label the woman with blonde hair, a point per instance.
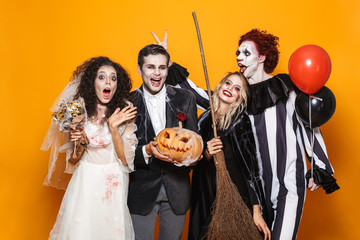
(235, 139)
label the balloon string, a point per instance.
(312, 139)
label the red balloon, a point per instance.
(309, 68)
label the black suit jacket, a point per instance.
(146, 180)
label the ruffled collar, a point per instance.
(266, 94)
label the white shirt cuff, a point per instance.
(146, 156)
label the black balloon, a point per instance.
(323, 106)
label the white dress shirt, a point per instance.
(156, 108)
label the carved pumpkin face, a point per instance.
(180, 144)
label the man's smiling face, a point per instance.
(154, 72)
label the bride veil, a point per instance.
(59, 170)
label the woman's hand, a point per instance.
(114, 121)
(78, 135)
(121, 116)
(214, 146)
(260, 222)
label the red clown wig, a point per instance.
(266, 44)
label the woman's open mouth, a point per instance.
(106, 93)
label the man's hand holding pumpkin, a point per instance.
(151, 149)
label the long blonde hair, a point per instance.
(237, 107)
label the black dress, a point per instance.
(240, 158)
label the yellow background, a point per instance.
(42, 42)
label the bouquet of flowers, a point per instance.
(70, 116)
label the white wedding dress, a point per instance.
(94, 206)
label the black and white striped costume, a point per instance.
(280, 141)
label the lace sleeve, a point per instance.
(127, 132)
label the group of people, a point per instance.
(121, 183)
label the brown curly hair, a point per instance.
(266, 44)
(88, 71)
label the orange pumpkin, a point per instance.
(180, 144)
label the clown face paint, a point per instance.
(154, 72)
(105, 84)
(248, 59)
(230, 90)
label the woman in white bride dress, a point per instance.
(94, 206)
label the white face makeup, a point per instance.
(154, 72)
(230, 90)
(105, 84)
(248, 59)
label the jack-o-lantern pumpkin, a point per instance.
(181, 144)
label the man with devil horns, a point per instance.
(281, 138)
(158, 187)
